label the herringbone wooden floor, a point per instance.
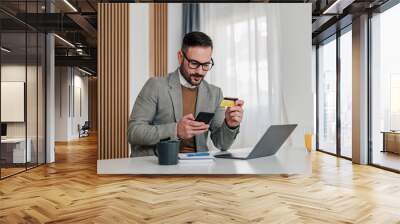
(70, 191)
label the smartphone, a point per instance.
(204, 117)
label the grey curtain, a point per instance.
(191, 17)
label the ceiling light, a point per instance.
(65, 41)
(79, 51)
(5, 50)
(335, 7)
(84, 71)
(70, 5)
(331, 7)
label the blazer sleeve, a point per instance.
(221, 135)
(141, 131)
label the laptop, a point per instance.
(268, 145)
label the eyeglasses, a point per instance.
(193, 64)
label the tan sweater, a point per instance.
(189, 97)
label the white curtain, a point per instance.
(247, 62)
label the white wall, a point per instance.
(12, 101)
(14, 73)
(67, 82)
(80, 83)
(296, 67)
(62, 81)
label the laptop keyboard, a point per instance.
(236, 154)
(224, 155)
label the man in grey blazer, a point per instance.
(166, 106)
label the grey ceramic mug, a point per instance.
(167, 152)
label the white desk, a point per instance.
(19, 155)
(286, 161)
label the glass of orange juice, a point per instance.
(308, 139)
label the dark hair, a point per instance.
(196, 39)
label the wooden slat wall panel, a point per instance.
(113, 80)
(158, 39)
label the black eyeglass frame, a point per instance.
(193, 64)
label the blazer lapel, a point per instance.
(202, 105)
(175, 93)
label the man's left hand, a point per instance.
(234, 115)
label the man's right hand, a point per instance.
(187, 127)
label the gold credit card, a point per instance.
(228, 102)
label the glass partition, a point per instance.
(22, 78)
(31, 100)
(13, 105)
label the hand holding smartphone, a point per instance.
(204, 117)
(187, 127)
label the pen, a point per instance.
(198, 154)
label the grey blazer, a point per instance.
(158, 109)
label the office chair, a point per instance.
(84, 130)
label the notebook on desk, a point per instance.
(200, 158)
(195, 156)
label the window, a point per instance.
(257, 59)
(333, 137)
(385, 89)
(327, 97)
(241, 56)
(346, 94)
(394, 102)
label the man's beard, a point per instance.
(188, 77)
